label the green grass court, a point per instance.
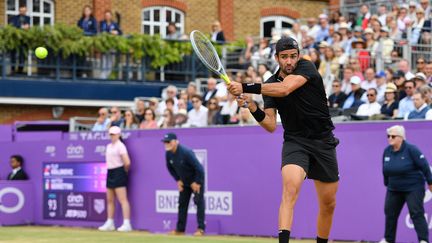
(34, 234)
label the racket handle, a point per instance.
(225, 78)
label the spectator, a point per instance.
(191, 91)
(421, 64)
(181, 104)
(363, 19)
(371, 107)
(88, 22)
(153, 105)
(381, 84)
(261, 54)
(420, 79)
(359, 50)
(171, 92)
(172, 32)
(102, 122)
(140, 107)
(382, 11)
(389, 75)
(181, 118)
(412, 7)
(263, 71)
(348, 73)
(428, 72)
(404, 66)
(20, 21)
(385, 45)
(424, 4)
(169, 104)
(315, 58)
(342, 58)
(406, 105)
(329, 68)
(198, 116)
(229, 110)
(369, 81)
(370, 41)
(217, 34)
(112, 28)
(355, 64)
(211, 90)
(245, 117)
(417, 27)
(130, 121)
(116, 116)
(149, 121)
(168, 119)
(427, 92)
(376, 28)
(354, 97)
(323, 30)
(390, 107)
(313, 28)
(422, 110)
(399, 80)
(17, 173)
(337, 40)
(405, 171)
(337, 98)
(118, 164)
(214, 116)
(402, 19)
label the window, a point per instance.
(41, 12)
(155, 20)
(274, 24)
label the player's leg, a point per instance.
(394, 202)
(326, 192)
(292, 178)
(416, 210)
(184, 199)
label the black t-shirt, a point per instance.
(389, 109)
(304, 112)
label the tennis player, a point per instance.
(296, 91)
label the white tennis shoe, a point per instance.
(107, 226)
(125, 228)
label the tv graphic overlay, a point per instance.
(74, 191)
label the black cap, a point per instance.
(286, 43)
(169, 136)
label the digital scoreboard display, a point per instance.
(74, 191)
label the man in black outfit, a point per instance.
(297, 92)
(16, 162)
(20, 21)
(337, 98)
(185, 168)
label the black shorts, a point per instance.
(316, 156)
(117, 178)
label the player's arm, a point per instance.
(278, 89)
(266, 118)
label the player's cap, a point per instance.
(169, 137)
(286, 43)
(355, 80)
(390, 88)
(420, 76)
(380, 74)
(114, 130)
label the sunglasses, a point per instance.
(370, 95)
(392, 136)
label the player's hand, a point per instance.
(244, 100)
(180, 185)
(195, 187)
(235, 88)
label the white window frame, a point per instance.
(278, 19)
(29, 3)
(162, 24)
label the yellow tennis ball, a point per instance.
(41, 52)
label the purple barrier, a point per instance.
(243, 183)
(5, 133)
(38, 136)
(16, 206)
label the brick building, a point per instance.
(152, 16)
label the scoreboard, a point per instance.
(74, 191)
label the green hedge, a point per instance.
(70, 40)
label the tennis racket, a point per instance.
(206, 52)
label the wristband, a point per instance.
(259, 115)
(252, 88)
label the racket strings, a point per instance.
(206, 52)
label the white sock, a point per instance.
(110, 221)
(126, 221)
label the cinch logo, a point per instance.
(75, 200)
(20, 203)
(75, 152)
